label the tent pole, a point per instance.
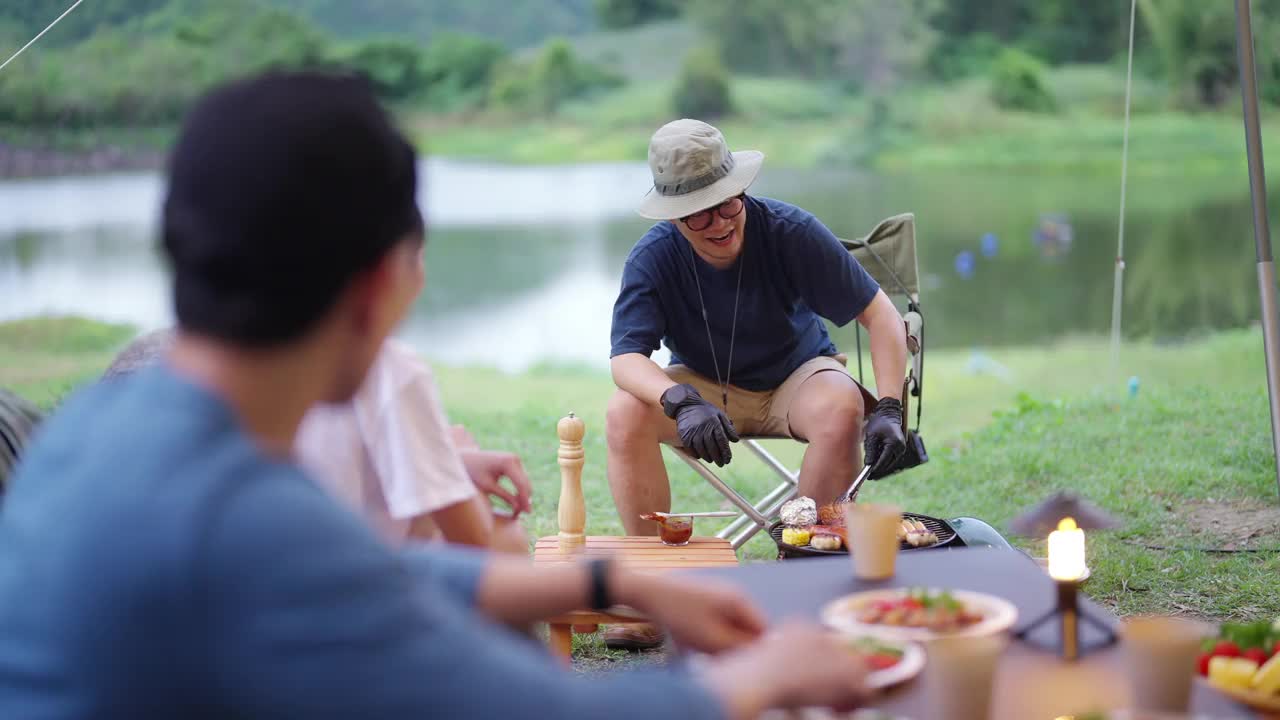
(1261, 228)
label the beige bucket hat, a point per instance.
(694, 170)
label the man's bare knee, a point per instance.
(629, 420)
(836, 418)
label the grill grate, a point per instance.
(946, 536)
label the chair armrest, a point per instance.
(915, 326)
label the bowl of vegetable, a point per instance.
(1243, 660)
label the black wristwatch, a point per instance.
(676, 397)
(601, 597)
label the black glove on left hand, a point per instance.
(883, 442)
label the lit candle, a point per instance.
(1066, 551)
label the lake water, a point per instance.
(523, 262)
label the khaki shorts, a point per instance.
(764, 413)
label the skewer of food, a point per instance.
(832, 515)
(822, 537)
(914, 533)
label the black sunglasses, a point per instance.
(728, 210)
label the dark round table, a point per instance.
(1032, 682)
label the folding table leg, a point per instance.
(561, 640)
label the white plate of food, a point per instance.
(919, 614)
(891, 662)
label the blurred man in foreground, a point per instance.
(161, 555)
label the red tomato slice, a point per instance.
(1257, 655)
(881, 662)
(1226, 648)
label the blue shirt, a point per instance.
(794, 272)
(154, 563)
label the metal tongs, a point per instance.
(717, 513)
(852, 492)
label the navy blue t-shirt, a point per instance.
(794, 272)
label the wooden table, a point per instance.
(641, 553)
(1031, 682)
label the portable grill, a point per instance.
(947, 537)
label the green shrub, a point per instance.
(394, 67)
(118, 77)
(460, 61)
(630, 13)
(554, 77)
(963, 57)
(703, 88)
(452, 72)
(1017, 83)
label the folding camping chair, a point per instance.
(888, 253)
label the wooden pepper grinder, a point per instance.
(572, 510)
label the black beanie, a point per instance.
(282, 188)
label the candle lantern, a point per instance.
(1064, 519)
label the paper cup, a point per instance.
(959, 678)
(873, 539)
(1160, 660)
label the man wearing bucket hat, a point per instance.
(736, 287)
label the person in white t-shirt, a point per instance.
(391, 455)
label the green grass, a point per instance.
(44, 358)
(1196, 431)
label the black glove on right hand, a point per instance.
(704, 430)
(883, 440)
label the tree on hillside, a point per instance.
(878, 44)
(1197, 46)
(1064, 31)
(769, 35)
(514, 23)
(29, 17)
(869, 43)
(149, 73)
(555, 76)
(703, 90)
(1057, 30)
(630, 13)
(393, 66)
(1017, 82)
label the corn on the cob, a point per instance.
(795, 536)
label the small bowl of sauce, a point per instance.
(672, 529)
(676, 531)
